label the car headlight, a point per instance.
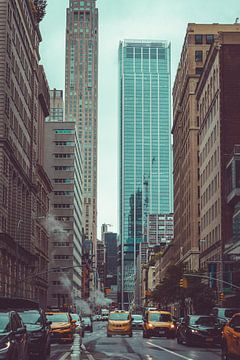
(150, 326)
(194, 331)
(5, 345)
(172, 326)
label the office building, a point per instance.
(56, 105)
(145, 147)
(24, 103)
(81, 98)
(160, 229)
(63, 163)
(198, 40)
(110, 244)
(218, 94)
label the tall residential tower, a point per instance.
(81, 98)
(145, 147)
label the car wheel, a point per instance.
(130, 335)
(109, 335)
(91, 330)
(179, 341)
(49, 350)
(188, 342)
(146, 335)
(225, 355)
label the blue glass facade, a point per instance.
(145, 146)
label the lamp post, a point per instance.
(17, 255)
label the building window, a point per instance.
(198, 70)
(198, 39)
(198, 56)
(209, 39)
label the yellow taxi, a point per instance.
(62, 327)
(159, 323)
(119, 323)
(231, 339)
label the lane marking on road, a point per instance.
(90, 357)
(169, 351)
(65, 356)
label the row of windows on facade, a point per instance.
(63, 206)
(145, 53)
(211, 238)
(210, 191)
(63, 181)
(208, 169)
(16, 40)
(209, 92)
(210, 215)
(209, 142)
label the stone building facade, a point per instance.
(21, 106)
(198, 39)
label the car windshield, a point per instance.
(119, 316)
(58, 317)
(75, 317)
(160, 317)
(203, 320)
(137, 317)
(87, 320)
(30, 317)
(230, 312)
(4, 323)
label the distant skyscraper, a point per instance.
(81, 97)
(145, 146)
(56, 105)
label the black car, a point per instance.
(38, 328)
(13, 337)
(137, 322)
(88, 323)
(199, 329)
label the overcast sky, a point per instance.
(118, 20)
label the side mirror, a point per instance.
(20, 331)
(48, 323)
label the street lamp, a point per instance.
(17, 255)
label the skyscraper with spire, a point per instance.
(81, 98)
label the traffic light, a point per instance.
(183, 283)
(221, 296)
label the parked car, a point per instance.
(13, 337)
(137, 322)
(199, 329)
(39, 334)
(159, 323)
(223, 315)
(231, 339)
(87, 323)
(62, 327)
(119, 323)
(79, 325)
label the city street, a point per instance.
(98, 347)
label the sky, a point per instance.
(119, 20)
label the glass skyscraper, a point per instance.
(145, 147)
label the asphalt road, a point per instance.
(98, 347)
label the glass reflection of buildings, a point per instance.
(145, 148)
